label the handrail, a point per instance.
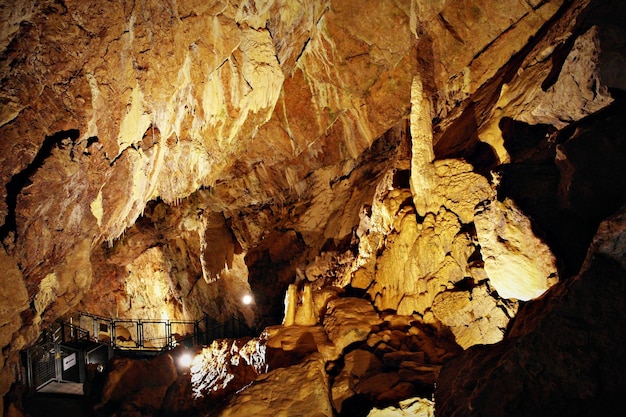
(201, 331)
(45, 360)
(76, 333)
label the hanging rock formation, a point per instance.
(393, 181)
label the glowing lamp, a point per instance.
(247, 299)
(184, 360)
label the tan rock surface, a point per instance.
(349, 320)
(291, 344)
(475, 317)
(518, 264)
(415, 407)
(297, 390)
(166, 159)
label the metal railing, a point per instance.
(54, 358)
(65, 348)
(159, 335)
(65, 332)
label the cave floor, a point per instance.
(56, 405)
(69, 388)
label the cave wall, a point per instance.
(431, 157)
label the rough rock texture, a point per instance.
(474, 315)
(128, 388)
(215, 373)
(349, 320)
(163, 159)
(518, 264)
(562, 355)
(297, 390)
(416, 407)
(290, 369)
(401, 358)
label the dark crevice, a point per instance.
(402, 179)
(566, 199)
(450, 29)
(22, 179)
(303, 49)
(558, 59)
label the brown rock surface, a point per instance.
(434, 161)
(297, 390)
(358, 364)
(349, 320)
(540, 368)
(128, 387)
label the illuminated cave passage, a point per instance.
(329, 208)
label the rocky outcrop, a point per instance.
(562, 354)
(301, 390)
(128, 389)
(519, 265)
(416, 407)
(346, 367)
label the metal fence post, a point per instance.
(139, 333)
(113, 333)
(29, 370)
(58, 362)
(168, 334)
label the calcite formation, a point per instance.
(357, 360)
(577, 313)
(381, 177)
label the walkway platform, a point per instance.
(68, 388)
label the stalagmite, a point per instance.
(306, 314)
(291, 304)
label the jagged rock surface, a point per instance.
(535, 362)
(221, 148)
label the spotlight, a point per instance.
(184, 360)
(247, 299)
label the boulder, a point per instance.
(348, 320)
(297, 390)
(358, 365)
(410, 407)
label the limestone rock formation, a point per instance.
(349, 320)
(297, 390)
(128, 387)
(303, 369)
(474, 315)
(532, 370)
(518, 264)
(391, 180)
(417, 407)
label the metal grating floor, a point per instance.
(54, 387)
